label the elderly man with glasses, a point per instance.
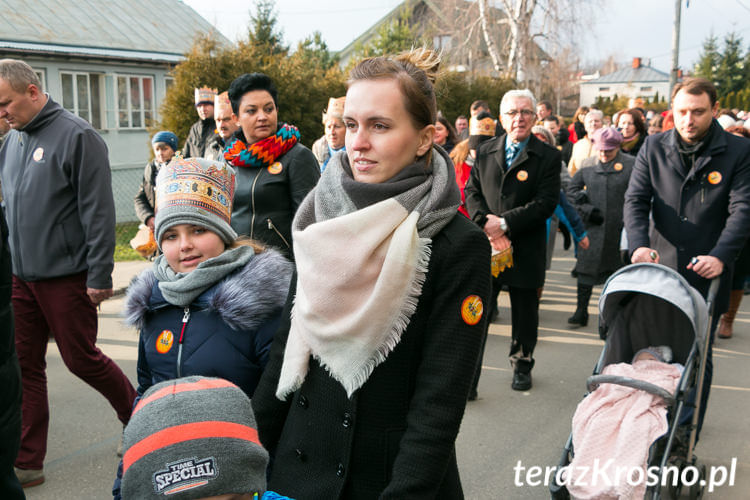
(512, 191)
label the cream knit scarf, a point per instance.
(362, 253)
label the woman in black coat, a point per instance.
(599, 195)
(274, 170)
(368, 376)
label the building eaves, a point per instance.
(88, 52)
(168, 26)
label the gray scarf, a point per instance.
(181, 289)
(430, 190)
(362, 253)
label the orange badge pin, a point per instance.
(38, 154)
(164, 342)
(522, 175)
(275, 168)
(714, 177)
(618, 166)
(472, 309)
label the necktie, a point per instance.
(511, 151)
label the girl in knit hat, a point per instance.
(211, 303)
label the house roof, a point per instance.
(641, 74)
(411, 6)
(160, 30)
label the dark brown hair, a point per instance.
(452, 136)
(480, 104)
(638, 120)
(696, 86)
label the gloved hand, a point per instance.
(596, 217)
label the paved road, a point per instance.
(500, 429)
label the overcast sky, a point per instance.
(625, 29)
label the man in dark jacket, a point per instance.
(10, 380)
(203, 130)
(226, 126)
(695, 181)
(552, 123)
(512, 191)
(61, 217)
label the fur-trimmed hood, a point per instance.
(243, 299)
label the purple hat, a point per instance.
(607, 139)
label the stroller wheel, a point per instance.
(673, 492)
(696, 490)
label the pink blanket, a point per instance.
(618, 423)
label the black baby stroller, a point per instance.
(645, 305)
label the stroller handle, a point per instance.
(595, 380)
(713, 289)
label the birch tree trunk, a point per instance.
(491, 47)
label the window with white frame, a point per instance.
(442, 42)
(82, 95)
(135, 101)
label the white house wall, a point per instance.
(129, 149)
(591, 91)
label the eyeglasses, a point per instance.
(525, 113)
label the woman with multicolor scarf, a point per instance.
(371, 367)
(274, 171)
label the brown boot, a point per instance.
(727, 319)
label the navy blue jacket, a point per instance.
(227, 330)
(706, 212)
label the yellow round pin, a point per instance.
(275, 168)
(714, 177)
(618, 166)
(522, 175)
(472, 309)
(164, 342)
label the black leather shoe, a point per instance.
(521, 381)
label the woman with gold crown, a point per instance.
(332, 141)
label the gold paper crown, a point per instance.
(221, 101)
(205, 94)
(335, 107)
(485, 126)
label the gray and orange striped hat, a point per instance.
(192, 437)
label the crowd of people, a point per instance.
(348, 288)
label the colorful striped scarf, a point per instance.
(263, 152)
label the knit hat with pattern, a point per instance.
(195, 191)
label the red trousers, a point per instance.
(61, 308)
